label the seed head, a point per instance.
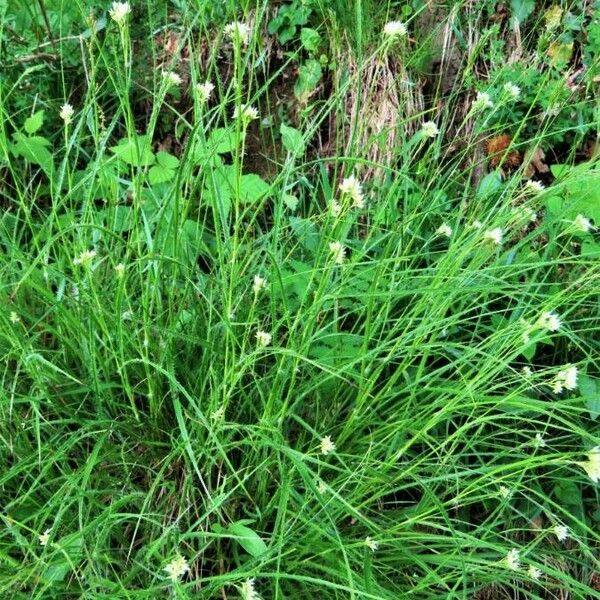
(119, 12)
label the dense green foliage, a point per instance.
(328, 329)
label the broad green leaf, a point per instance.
(118, 218)
(569, 495)
(310, 39)
(521, 9)
(559, 170)
(553, 205)
(306, 232)
(166, 160)
(308, 78)
(590, 248)
(336, 349)
(165, 168)
(34, 122)
(291, 201)
(295, 279)
(219, 189)
(248, 539)
(34, 149)
(135, 152)
(292, 140)
(577, 193)
(221, 141)
(560, 53)
(590, 392)
(253, 188)
(64, 561)
(489, 184)
(286, 34)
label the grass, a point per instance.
(143, 419)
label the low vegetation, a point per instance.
(300, 299)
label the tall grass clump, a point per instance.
(299, 300)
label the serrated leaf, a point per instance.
(118, 218)
(306, 232)
(336, 349)
(34, 150)
(166, 160)
(219, 186)
(158, 174)
(292, 140)
(34, 122)
(165, 168)
(253, 188)
(135, 152)
(221, 141)
(310, 39)
(248, 539)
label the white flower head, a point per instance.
(371, 544)
(246, 112)
(66, 113)
(327, 445)
(351, 187)
(248, 590)
(336, 208)
(119, 12)
(592, 465)
(494, 236)
(260, 283)
(566, 379)
(444, 229)
(527, 372)
(534, 187)
(120, 270)
(534, 572)
(483, 100)
(539, 441)
(85, 258)
(238, 32)
(338, 252)
(204, 91)
(476, 224)
(177, 568)
(172, 79)
(550, 321)
(529, 214)
(394, 29)
(218, 415)
(523, 214)
(429, 129)
(513, 560)
(561, 532)
(514, 91)
(263, 338)
(14, 317)
(44, 538)
(505, 492)
(527, 329)
(583, 224)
